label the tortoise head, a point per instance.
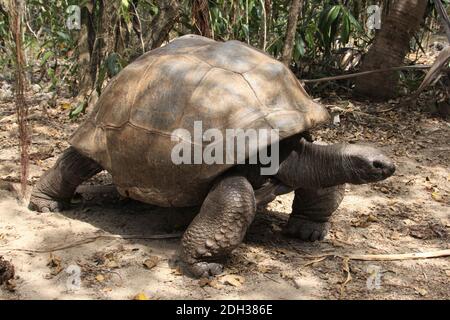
(365, 164)
(313, 165)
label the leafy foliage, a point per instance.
(324, 28)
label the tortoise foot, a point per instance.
(203, 269)
(306, 230)
(45, 204)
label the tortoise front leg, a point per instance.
(220, 226)
(56, 187)
(311, 212)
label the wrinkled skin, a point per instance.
(317, 173)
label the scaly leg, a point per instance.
(220, 226)
(56, 187)
(311, 211)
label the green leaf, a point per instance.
(326, 25)
(353, 21)
(299, 49)
(75, 112)
(125, 4)
(47, 55)
(333, 14)
(63, 35)
(345, 34)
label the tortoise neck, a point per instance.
(314, 166)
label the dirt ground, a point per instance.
(407, 213)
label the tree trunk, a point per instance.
(162, 23)
(294, 13)
(16, 14)
(390, 47)
(200, 17)
(263, 26)
(86, 40)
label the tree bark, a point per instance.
(16, 14)
(390, 47)
(200, 17)
(162, 23)
(294, 13)
(86, 40)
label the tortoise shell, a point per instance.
(225, 85)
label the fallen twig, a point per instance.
(388, 257)
(95, 238)
(270, 278)
(348, 277)
(315, 261)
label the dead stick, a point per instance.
(389, 257)
(402, 256)
(359, 74)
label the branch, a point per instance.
(438, 65)
(443, 17)
(388, 257)
(359, 74)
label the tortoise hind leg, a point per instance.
(311, 211)
(56, 187)
(220, 226)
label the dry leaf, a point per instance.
(11, 285)
(141, 296)
(394, 236)
(151, 262)
(421, 291)
(66, 105)
(100, 278)
(289, 275)
(111, 264)
(232, 280)
(384, 190)
(215, 284)
(203, 282)
(264, 268)
(436, 196)
(54, 263)
(177, 271)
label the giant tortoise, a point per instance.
(225, 85)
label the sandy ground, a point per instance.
(404, 214)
